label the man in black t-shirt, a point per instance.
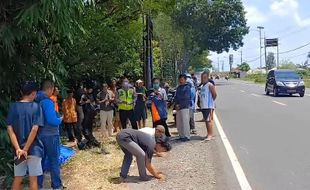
(142, 146)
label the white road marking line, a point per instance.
(243, 182)
(282, 104)
(242, 91)
(256, 95)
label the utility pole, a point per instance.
(148, 53)
(265, 50)
(241, 57)
(260, 28)
(218, 64)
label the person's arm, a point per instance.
(13, 139)
(213, 91)
(50, 113)
(31, 137)
(151, 168)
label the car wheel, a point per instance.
(275, 92)
(267, 91)
(302, 94)
(291, 94)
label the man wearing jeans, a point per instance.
(49, 134)
(141, 145)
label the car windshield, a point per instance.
(287, 75)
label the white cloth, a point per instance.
(149, 131)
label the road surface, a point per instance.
(269, 135)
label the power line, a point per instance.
(300, 47)
(298, 55)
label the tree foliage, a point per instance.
(244, 67)
(72, 40)
(270, 61)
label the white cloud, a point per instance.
(254, 16)
(284, 7)
(289, 8)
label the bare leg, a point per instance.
(17, 183)
(209, 130)
(33, 182)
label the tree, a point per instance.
(286, 64)
(270, 61)
(211, 25)
(244, 67)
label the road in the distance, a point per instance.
(270, 135)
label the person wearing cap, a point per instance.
(182, 105)
(140, 107)
(23, 122)
(162, 142)
(126, 101)
(142, 146)
(190, 81)
(69, 108)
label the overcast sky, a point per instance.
(288, 20)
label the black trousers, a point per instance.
(124, 115)
(162, 122)
(87, 125)
(76, 131)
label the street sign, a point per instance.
(271, 42)
(231, 59)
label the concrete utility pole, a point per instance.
(260, 28)
(218, 64)
(148, 51)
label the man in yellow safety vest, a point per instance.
(126, 101)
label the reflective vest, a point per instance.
(126, 96)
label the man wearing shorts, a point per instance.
(24, 119)
(207, 105)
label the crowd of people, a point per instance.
(34, 120)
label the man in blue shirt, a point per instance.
(24, 119)
(182, 104)
(49, 134)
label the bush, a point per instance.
(257, 78)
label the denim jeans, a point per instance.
(52, 153)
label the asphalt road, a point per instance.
(270, 135)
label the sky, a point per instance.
(288, 20)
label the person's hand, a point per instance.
(20, 152)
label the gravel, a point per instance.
(189, 166)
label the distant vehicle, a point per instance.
(217, 77)
(227, 77)
(284, 82)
